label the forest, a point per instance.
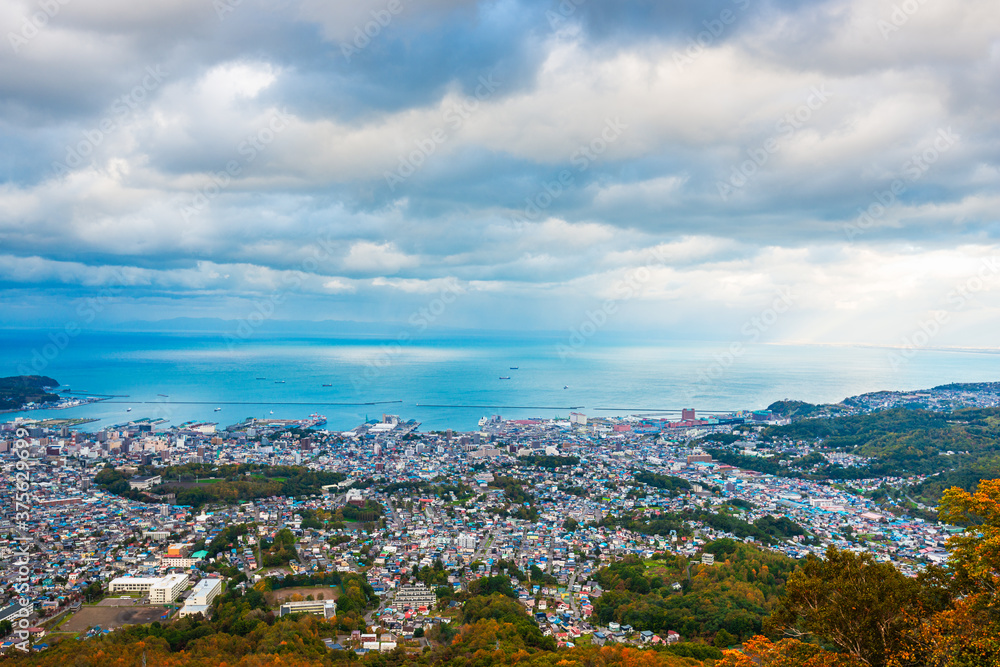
(17, 390)
(720, 604)
(231, 483)
(959, 448)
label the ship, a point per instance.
(513, 368)
(504, 377)
(217, 409)
(128, 409)
(279, 382)
(328, 385)
(261, 378)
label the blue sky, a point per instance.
(676, 166)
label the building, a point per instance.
(415, 596)
(205, 591)
(325, 608)
(168, 588)
(144, 483)
(200, 599)
(14, 612)
(355, 498)
(161, 590)
(687, 414)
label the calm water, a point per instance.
(455, 372)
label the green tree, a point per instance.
(863, 607)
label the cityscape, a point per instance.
(500, 333)
(543, 505)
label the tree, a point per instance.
(762, 652)
(966, 631)
(863, 607)
(723, 639)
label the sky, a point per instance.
(818, 172)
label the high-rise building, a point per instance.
(687, 414)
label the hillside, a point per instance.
(959, 448)
(19, 390)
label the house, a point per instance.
(673, 637)
(646, 636)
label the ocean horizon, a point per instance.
(452, 381)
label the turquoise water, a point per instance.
(414, 379)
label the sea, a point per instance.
(451, 381)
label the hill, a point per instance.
(19, 390)
(959, 448)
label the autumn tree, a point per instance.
(967, 632)
(863, 607)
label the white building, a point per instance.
(205, 591)
(325, 608)
(200, 599)
(161, 590)
(415, 596)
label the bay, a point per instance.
(450, 381)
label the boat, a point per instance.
(272, 412)
(504, 377)
(328, 385)
(217, 409)
(261, 378)
(279, 382)
(163, 395)
(513, 368)
(128, 409)
(565, 386)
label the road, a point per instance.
(395, 516)
(572, 595)
(484, 544)
(552, 553)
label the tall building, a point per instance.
(415, 596)
(687, 414)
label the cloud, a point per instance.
(538, 153)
